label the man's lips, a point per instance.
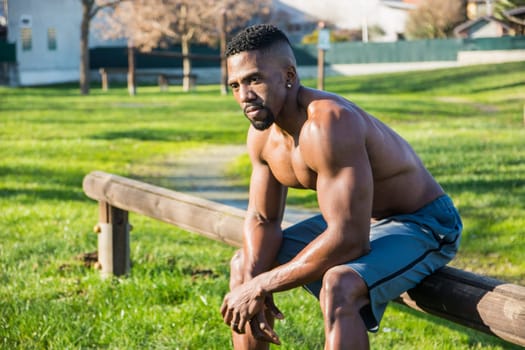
(252, 109)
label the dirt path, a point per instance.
(201, 172)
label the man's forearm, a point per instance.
(261, 244)
(285, 277)
(326, 251)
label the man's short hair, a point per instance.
(256, 37)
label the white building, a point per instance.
(390, 16)
(47, 37)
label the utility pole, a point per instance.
(323, 44)
(132, 85)
(224, 72)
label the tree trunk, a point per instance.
(132, 86)
(186, 65)
(224, 71)
(84, 47)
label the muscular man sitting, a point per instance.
(384, 223)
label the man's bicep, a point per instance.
(345, 200)
(345, 183)
(336, 150)
(345, 194)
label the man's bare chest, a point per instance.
(288, 165)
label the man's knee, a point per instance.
(342, 289)
(236, 269)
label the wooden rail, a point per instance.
(489, 305)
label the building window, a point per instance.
(27, 39)
(51, 39)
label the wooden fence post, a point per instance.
(113, 240)
(163, 82)
(104, 79)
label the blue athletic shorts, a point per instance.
(404, 250)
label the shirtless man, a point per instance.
(385, 223)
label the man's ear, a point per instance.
(291, 75)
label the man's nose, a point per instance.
(246, 94)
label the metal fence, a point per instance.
(339, 53)
(405, 51)
(7, 52)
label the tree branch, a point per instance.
(100, 5)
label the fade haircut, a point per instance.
(256, 37)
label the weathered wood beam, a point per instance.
(486, 304)
(213, 220)
(489, 305)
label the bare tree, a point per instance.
(508, 11)
(503, 5)
(130, 20)
(205, 22)
(433, 19)
(89, 9)
(192, 22)
(148, 24)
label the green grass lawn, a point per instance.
(467, 125)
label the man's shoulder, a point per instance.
(334, 113)
(324, 105)
(336, 123)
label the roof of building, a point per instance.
(466, 25)
(404, 5)
(518, 11)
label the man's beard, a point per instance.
(265, 123)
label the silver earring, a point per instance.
(288, 85)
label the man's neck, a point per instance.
(293, 115)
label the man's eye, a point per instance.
(254, 79)
(234, 85)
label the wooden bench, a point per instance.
(486, 304)
(163, 78)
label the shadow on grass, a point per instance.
(27, 196)
(482, 186)
(54, 90)
(462, 78)
(475, 336)
(51, 184)
(499, 87)
(116, 89)
(170, 135)
(429, 110)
